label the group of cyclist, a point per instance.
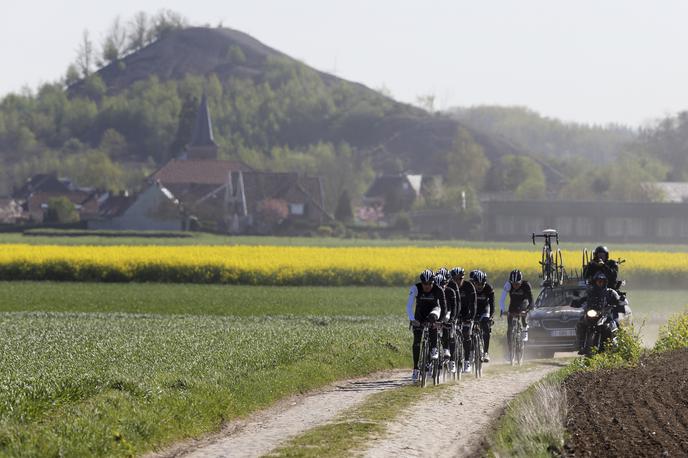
(445, 296)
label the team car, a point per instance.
(552, 320)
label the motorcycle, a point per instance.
(597, 327)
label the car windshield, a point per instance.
(557, 297)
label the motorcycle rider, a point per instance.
(598, 297)
(484, 295)
(429, 307)
(601, 262)
(520, 300)
(466, 313)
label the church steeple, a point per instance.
(202, 144)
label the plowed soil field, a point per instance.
(630, 412)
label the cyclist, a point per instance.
(429, 304)
(448, 317)
(484, 297)
(466, 312)
(601, 262)
(520, 299)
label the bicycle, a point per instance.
(424, 359)
(454, 339)
(477, 349)
(552, 263)
(517, 347)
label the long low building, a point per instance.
(587, 221)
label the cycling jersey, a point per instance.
(467, 301)
(516, 297)
(484, 302)
(457, 296)
(452, 302)
(425, 302)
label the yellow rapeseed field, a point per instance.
(280, 265)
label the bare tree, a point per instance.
(114, 43)
(85, 55)
(138, 31)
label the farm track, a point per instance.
(477, 404)
(457, 422)
(636, 412)
(260, 433)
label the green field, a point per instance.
(209, 239)
(118, 369)
(115, 369)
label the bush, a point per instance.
(626, 353)
(674, 334)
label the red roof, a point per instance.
(198, 171)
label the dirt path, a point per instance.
(465, 412)
(262, 432)
(477, 404)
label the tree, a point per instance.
(60, 210)
(466, 164)
(85, 55)
(115, 42)
(344, 212)
(138, 31)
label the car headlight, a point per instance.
(592, 313)
(535, 323)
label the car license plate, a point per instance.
(563, 333)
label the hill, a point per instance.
(268, 109)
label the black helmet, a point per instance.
(426, 276)
(599, 250)
(600, 276)
(443, 271)
(440, 279)
(478, 276)
(515, 276)
(457, 271)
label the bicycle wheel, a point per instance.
(436, 369)
(519, 344)
(560, 267)
(477, 355)
(423, 359)
(512, 344)
(458, 356)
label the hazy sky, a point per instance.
(587, 60)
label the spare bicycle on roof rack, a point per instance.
(552, 262)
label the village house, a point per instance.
(200, 191)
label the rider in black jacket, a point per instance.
(430, 305)
(520, 300)
(600, 262)
(484, 295)
(598, 297)
(467, 308)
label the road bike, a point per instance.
(426, 365)
(454, 334)
(517, 346)
(552, 262)
(477, 349)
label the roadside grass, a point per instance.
(674, 334)
(212, 239)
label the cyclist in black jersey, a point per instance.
(448, 343)
(430, 305)
(520, 300)
(484, 298)
(466, 312)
